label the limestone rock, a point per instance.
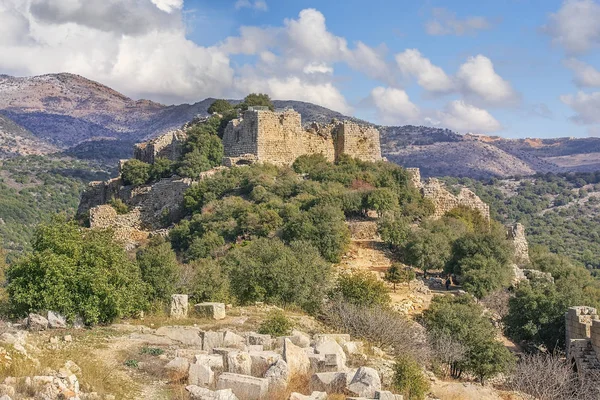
(5, 397)
(214, 361)
(334, 354)
(300, 339)
(56, 320)
(200, 375)
(244, 387)
(231, 339)
(200, 393)
(239, 362)
(329, 382)
(224, 352)
(257, 339)
(211, 340)
(312, 396)
(35, 322)
(385, 395)
(340, 338)
(278, 375)
(365, 382)
(187, 335)
(179, 306)
(295, 357)
(7, 390)
(178, 366)
(211, 310)
(262, 360)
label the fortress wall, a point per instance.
(578, 331)
(359, 141)
(240, 136)
(516, 233)
(415, 177)
(169, 145)
(279, 137)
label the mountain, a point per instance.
(88, 120)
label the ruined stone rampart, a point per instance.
(278, 138)
(445, 201)
(516, 234)
(168, 145)
(582, 329)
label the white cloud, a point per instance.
(445, 22)
(168, 6)
(585, 74)
(259, 5)
(585, 105)
(575, 26)
(479, 81)
(318, 68)
(463, 117)
(393, 106)
(430, 77)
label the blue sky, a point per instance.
(513, 68)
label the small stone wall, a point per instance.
(516, 233)
(445, 201)
(168, 145)
(127, 227)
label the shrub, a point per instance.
(380, 326)
(362, 289)
(409, 379)
(153, 351)
(119, 206)
(268, 270)
(162, 168)
(76, 273)
(256, 99)
(205, 246)
(276, 324)
(219, 106)
(135, 172)
(399, 274)
(426, 250)
(132, 363)
(210, 282)
(159, 267)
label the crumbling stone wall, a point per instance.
(168, 145)
(445, 201)
(415, 177)
(278, 138)
(363, 230)
(582, 329)
(127, 228)
(516, 234)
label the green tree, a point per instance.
(205, 246)
(76, 273)
(135, 172)
(394, 229)
(462, 320)
(381, 200)
(276, 324)
(409, 379)
(162, 168)
(219, 106)
(361, 289)
(210, 282)
(257, 99)
(426, 250)
(159, 268)
(268, 270)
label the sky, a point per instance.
(513, 68)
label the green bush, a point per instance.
(361, 289)
(270, 271)
(256, 99)
(135, 172)
(159, 269)
(76, 273)
(162, 168)
(409, 379)
(276, 324)
(219, 106)
(397, 273)
(119, 206)
(210, 282)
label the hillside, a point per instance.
(16, 140)
(91, 121)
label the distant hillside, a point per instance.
(88, 120)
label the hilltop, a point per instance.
(89, 120)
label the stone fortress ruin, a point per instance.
(582, 330)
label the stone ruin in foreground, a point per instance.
(582, 329)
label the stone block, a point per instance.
(262, 361)
(329, 382)
(239, 362)
(340, 338)
(211, 310)
(312, 396)
(258, 339)
(214, 361)
(333, 352)
(200, 375)
(200, 393)
(178, 366)
(244, 387)
(179, 306)
(231, 339)
(211, 339)
(223, 352)
(35, 322)
(187, 335)
(386, 395)
(296, 358)
(365, 382)
(278, 375)
(56, 320)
